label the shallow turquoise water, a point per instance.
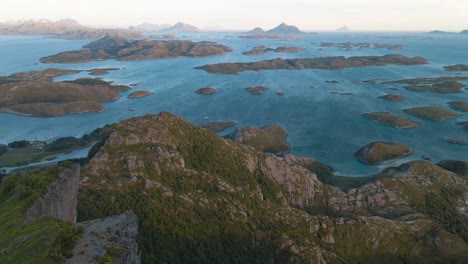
(321, 125)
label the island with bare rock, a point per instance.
(326, 63)
(35, 94)
(135, 50)
(139, 94)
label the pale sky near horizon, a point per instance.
(398, 15)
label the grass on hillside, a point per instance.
(40, 240)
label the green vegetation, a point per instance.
(441, 207)
(89, 81)
(3, 149)
(39, 240)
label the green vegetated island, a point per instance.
(36, 94)
(134, 50)
(327, 63)
(199, 198)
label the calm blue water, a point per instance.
(321, 125)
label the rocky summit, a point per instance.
(200, 198)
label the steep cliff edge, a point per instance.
(203, 198)
(60, 199)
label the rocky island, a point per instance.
(378, 152)
(129, 50)
(206, 91)
(428, 80)
(256, 90)
(464, 124)
(263, 50)
(457, 67)
(326, 63)
(35, 94)
(435, 114)
(351, 45)
(443, 87)
(386, 118)
(139, 94)
(392, 97)
(459, 105)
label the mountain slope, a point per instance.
(201, 198)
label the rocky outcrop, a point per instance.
(60, 199)
(326, 63)
(109, 240)
(133, 50)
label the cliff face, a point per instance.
(60, 199)
(112, 238)
(202, 197)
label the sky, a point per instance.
(308, 15)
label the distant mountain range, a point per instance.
(343, 28)
(447, 32)
(165, 28)
(281, 29)
(64, 28)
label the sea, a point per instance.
(321, 124)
